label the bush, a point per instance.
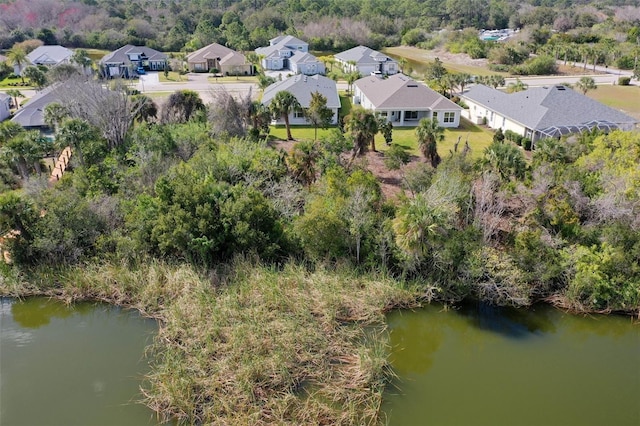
(624, 81)
(510, 135)
(526, 143)
(625, 62)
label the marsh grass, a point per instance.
(248, 343)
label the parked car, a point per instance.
(140, 70)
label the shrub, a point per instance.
(526, 143)
(624, 81)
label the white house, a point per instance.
(302, 86)
(366, 61)
(541, 112)
(289, 53)
(5, 104)
(404, 101)
(50, 55)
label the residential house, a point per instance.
(289, 53)
(218, 57)
(302, 86)
(50, 56)
(541, 112)
(5, 106)
(126, 61)
(366, 61)
(31, 115)
(404, 101)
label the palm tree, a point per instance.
(463, 80)
(282, 104)
(363, 126)
(496, 81)
(81, 57)
(17, 57)
(351, 78)
(15, 94)
(585, 84)
(517, 86)
(429, 134)
(302, 162)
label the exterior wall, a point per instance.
(273, 64)
(197, 66)
(4, 109)
(236, 69)
(389, 67)
(301, 121)
(494, 120)
(299, 47)
(440, 115)
(308, 68)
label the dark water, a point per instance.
(77, 365)
(486, 366)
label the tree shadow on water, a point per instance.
(510, 322)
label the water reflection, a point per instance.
(509, 322)
(482, 365)
(36, 312)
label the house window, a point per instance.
(434, 115)
(382, 113)
(298, 113)
(411, 115)
(449, 117)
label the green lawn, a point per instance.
(173, 76)
(624, 98)
(478, 137)
(234, 79)
(13, 83)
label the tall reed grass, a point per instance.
(248, 343)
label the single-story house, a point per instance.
(404, 101)
(31, 115)
(366, 61)
(289, 53)
(125, 61)
(50, 56)
(5, 106)
(218, 57)
(302, 86)
(541, 112)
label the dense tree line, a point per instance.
(172, 25)
(563, 226)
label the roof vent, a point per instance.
(561, 88)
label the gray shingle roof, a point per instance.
(120, 55)
(402, 92)
(277, 44)
(214, 50)
(363, 55)
(302, 86)
(302, 58)
(4, 96)
(542, 107)
(32, 113)
(49, 55)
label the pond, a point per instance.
(72, 365)
(480, 365)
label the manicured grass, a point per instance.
(299, 133)
(173, 77)
(13, 83)
(234, 79)
(479, 138)
(624, 98)
(345, 104)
